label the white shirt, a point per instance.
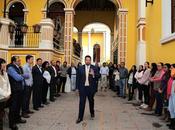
(47, 76)
(87, 68)
(55, 70)
(5, 89)
(39, 67)
(104, 70)
(73, 71)
(130, 80)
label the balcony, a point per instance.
(28, 39)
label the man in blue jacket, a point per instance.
(86, 84)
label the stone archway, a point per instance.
(25, 10)
(74, 3)
(120, 38)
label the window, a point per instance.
(172, 16)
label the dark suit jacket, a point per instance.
(69, 71)
(81, 78)
(37, 76)
(52, 74)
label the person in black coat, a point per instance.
(72, 71)
(38, 79)
(17, 83)
(86, 84)
(131, 82)
(53, 73)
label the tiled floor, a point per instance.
(112, 113)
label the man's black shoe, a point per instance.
(41, 106)
(25, 115)
(46, 103)
(21, 121)
(36, 109)
(52, 100)
(78, 121)
(14, 127)
(30, 112)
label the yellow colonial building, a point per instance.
(133, 31)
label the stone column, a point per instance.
(47, 28)
(46, 43)
(141, 27)
(122, 40)
(4, 37)
(80, 42)
(68, 32)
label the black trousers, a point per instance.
(52, 89)
(37, 95)
(87, 94)
(159, 103)
(26, 98)
(62, 83)
(131, 91)
(44, 91)
(140, 91)
(2, 105)
(15, 106)
(146, 93)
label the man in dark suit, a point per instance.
(37, 73)
(86, 84)
(53, 73)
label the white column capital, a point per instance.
(69, 10)
(47, 22)
(122, 11)
(6, 21)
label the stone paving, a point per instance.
(112, 113)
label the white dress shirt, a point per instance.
(87, 67)
(104, 70)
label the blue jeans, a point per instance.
(159, 103)
(122, 84)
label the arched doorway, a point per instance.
(104, 12)
(16, 13)
(57, 14)
(94, 34)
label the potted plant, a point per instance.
(11, 28)
(24, 28)
(36, 28)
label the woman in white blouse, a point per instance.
(5, 89)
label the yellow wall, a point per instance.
(22, 54)
(155, 51)
(131, 5)
(35, 15)
(105, 17)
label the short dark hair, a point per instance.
(87, 56)
(14, 58)
(161, 63)
(65, 62)
(28, 57)
(57, 61)
(38, 59)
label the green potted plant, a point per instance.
(11, 28)
(24, 28)
(36, 28)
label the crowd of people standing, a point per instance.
(41, 84)
(152, 86)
